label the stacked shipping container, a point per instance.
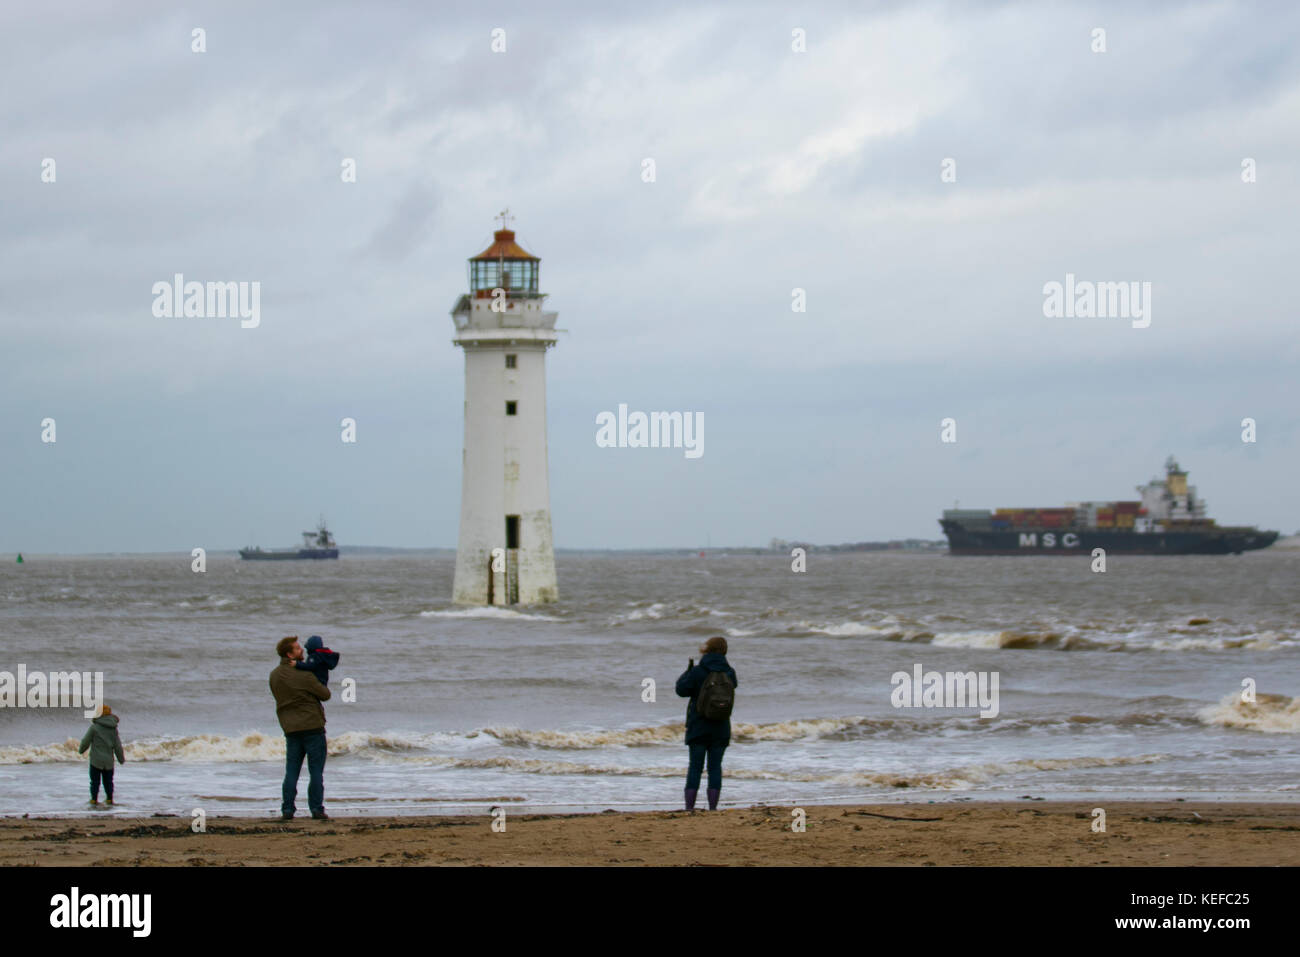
(1077, 514)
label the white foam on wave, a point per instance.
(487, 611)
(1007, 639)
(584, 740)
(847, 629)
(1064, 639)
(792, 730)
(801, 728)
(1264, 641)
(959, 778)
(653, 612)
(970, 776)
(1271, 713)
(261, 746)
(220, 748)
(970, 639)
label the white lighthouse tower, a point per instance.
(505, 555)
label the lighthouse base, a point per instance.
(497, 574)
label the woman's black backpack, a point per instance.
(717, 696)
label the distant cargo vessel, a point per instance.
(317, 544)
(1168, 520)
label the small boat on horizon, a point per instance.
(317, 544)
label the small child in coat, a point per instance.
(104, 743)
(320, 661)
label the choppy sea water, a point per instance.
(1106, 686)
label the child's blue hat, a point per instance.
(315, 642)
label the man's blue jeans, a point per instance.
(698, 753)
(298, 745)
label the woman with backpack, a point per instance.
(711, 688)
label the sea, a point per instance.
(1161, 677)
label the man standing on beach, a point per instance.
(298, 697)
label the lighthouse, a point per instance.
(504, 555)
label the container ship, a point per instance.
(317, 544)
(1169, 519)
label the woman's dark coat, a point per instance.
(701, 730)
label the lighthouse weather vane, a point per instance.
(505, 218)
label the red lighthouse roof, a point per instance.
(504, 247)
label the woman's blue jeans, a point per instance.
(698, 753)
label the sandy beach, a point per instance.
(1030, 833)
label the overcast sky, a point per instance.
(774, 170)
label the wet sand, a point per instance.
(1018, 833)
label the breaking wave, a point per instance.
(253, 746)
(1273, 713)
(954, 778)
(853, 629)
(993, 639)
(1064, 640)
(1264, 641)
(259, 746)
(976, 774)
(849, 728)
(1055, 633)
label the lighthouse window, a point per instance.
(511, 407)
(510, 361)
(512, 531)
(514, 274)
(485, 274)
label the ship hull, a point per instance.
(297, 554)
(1081, 541)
